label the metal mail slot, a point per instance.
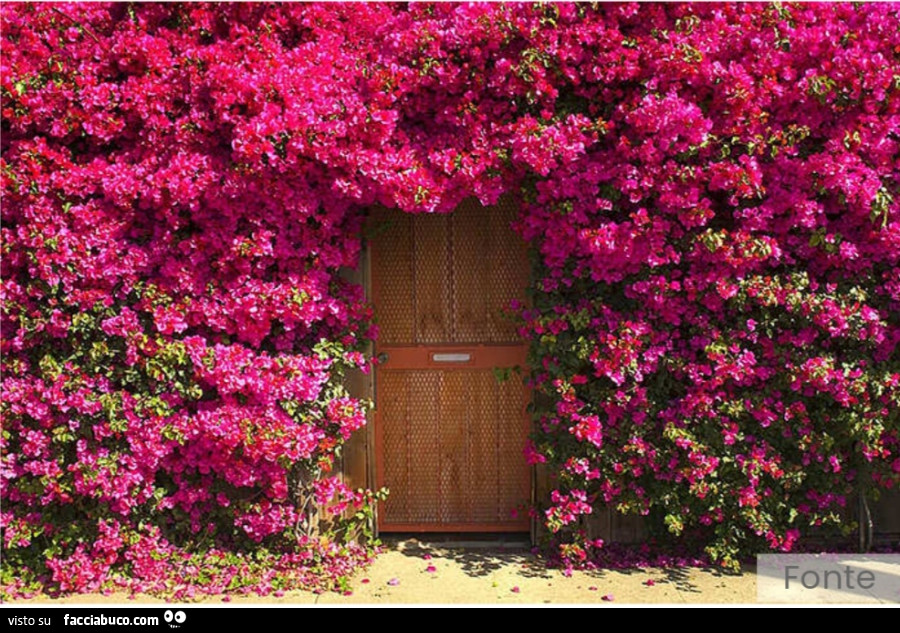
(451, 357)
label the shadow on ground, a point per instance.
(685, 579)
(479, 557)
(475, 557)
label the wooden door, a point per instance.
(449, 431)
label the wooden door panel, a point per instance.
(471, 287)
(450, 448)
(508, 273)
(445, 279)
(424, 423)
(393, 405)
(449, 435)
(393, 278)
(453, 448)
(432, 293)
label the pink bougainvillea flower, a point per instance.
(650, 582)
(393, 582)
(608, 598)
(515, 589)
(431, 569)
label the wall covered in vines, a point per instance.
(710, 192)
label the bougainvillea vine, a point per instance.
(710, 192)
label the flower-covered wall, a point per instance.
(711, 196)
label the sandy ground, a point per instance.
(500, 574)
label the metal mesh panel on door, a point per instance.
(394, 406)
(507, 270)
(394, 268)
(453, 448)
(448, 278)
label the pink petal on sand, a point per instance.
(364, 581)
(431, 569)
(592, 588)
(393, 582)
(515, 589)
(226, 599)
(650, 582)
(426, 557)
(608, 598)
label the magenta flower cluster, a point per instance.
(710, 192)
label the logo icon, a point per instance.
(175, 619)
